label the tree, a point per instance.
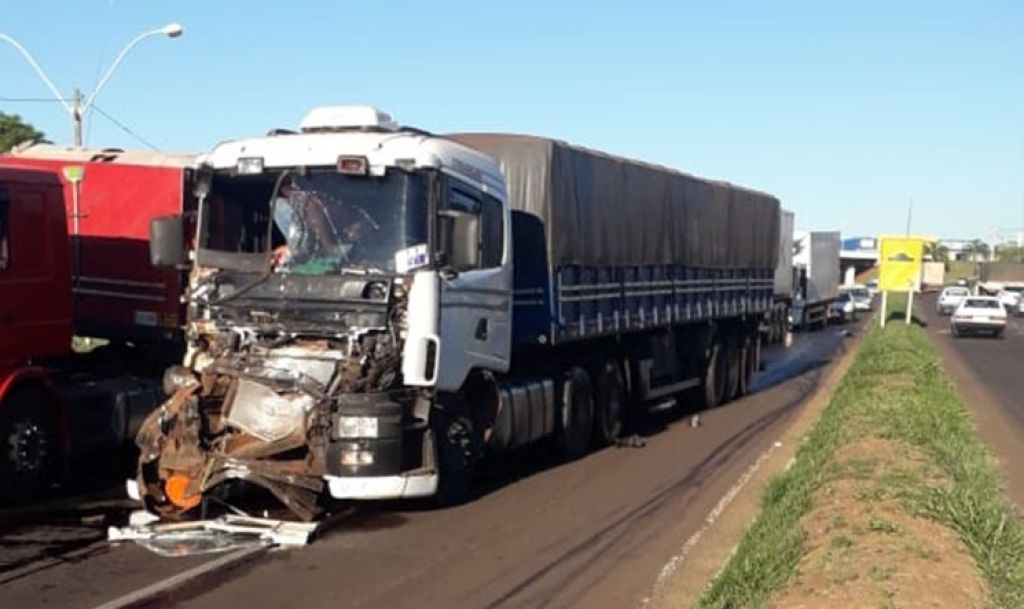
(1009, 252)
(14, 131)
(937, 252)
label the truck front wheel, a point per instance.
(29, 446)
(457, 449)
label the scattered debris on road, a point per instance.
(223, 534)
(633, 441)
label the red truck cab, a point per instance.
(110, 196)
(35, 322)
(60, 409)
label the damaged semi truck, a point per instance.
(374, 309)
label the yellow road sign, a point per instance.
(900, 264)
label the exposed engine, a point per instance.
(257, 405)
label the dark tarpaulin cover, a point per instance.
(601, 210)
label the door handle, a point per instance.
(481, 329)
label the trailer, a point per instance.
(57, 407)
(776, 321)
(933, 274)
(374, 309)
(110, 197)
(816, 258)
(997, 276)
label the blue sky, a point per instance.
(843, 109)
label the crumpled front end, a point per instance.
(283, 415)
(258, 424)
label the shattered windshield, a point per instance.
(320, 222)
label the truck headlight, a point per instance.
(354, 457)
(356, 427)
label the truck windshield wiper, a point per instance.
(269, 270)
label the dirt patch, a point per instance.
(866, 549)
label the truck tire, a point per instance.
(610, 404)
(577, 414)
(733, 370)
(750, 361)
(457, 452)
(713, 385)
(29, 441)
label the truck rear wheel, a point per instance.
(713, 385)
(749, 364)
(611, 404)
(29, 446)
(733, 369)
(577, 413)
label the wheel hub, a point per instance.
(27, 447)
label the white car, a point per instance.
(1010, 297)
(978, 314)
(872, 286)
(843, 308)
(950, 298)
(861, 297)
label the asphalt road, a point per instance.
(593, 533)
(989, 373)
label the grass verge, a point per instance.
(895, 390)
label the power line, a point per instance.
(34, 99)
(123, 127)
(113, 120)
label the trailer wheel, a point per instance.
(749, 363)
(733, 369)
(611, 404)
(713, 386)
(29, 446)
(577, 416)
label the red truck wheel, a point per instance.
(29, 446)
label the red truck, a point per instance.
(74, 260)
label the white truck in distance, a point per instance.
(373, 309)
(816, 259)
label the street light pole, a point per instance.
(77, 108)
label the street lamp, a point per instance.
(77, 108)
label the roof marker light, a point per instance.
(353, 165)
(251, 165)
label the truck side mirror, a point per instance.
(464, 241)
(167, 241)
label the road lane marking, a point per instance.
(730, 495)
(147, 595)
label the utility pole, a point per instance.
(80, 106)
(910, 211)
(76, 116)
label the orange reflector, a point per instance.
(176, 488)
